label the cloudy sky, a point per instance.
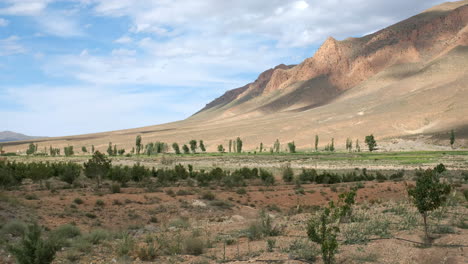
(80, 66)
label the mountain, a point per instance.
(407, 82)
(342, 65)
(13, 136)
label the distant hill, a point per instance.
(13, 136)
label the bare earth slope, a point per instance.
(405, 80)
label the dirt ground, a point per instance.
(145, 212)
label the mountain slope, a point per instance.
(341, 65)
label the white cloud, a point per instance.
(3, 22)
(290, 23)
(10, 46)
(124, 40)
(24, 7)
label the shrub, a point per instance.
(267, 177)
(208, 196)
(194, 246)
(97, 235)
(271, 243)
(147, 253)
(380, 177)
(33, 249)
(323, 231)
(288, 174)
(126, 245)
(14, 228)
(31, 196)
(78, 201)
(115, 188)
(64, 232)
(221, 204)
(180, 223)
(99, 203)
(303, 250)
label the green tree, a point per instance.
(220, 149)
(238, 145)
(68, 151)
(371, 143)
(452, 138)
(83, 149)
(358, 148)
(186, 149)
(193, 145)
(428, 194)
(202, 146)
(316, 142)
(31, 149)
(92, 149)
(261, 147)
(121, 152)
(32, 249)
(276, 146)
(109, 149)
(332, 145)
(292, 147)
(38, 172)
(97, 167)
(138, 144)
(230, 145)
(176, 148)
(114, 152)
(324, 228)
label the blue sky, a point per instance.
(81, 66)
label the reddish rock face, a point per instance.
(347, 63)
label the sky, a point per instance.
(71, 67)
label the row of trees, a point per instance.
(100, 167)
(235, 146)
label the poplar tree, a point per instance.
(202, 146)
(316, 142)
(138, 144)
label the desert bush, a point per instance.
(33, 248)
(288, 174)
(181, 222)
(194, 246)
(100, 203)
(208, 196)
(221, 204)
(115, 188)
(64, 232)
(380, 177)
(14, 228)
(96, 236)
(78, 200)
(271, 243)
(302, 249)
(307, 175)
(125, 245)
(267, 177)
(147, 252)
